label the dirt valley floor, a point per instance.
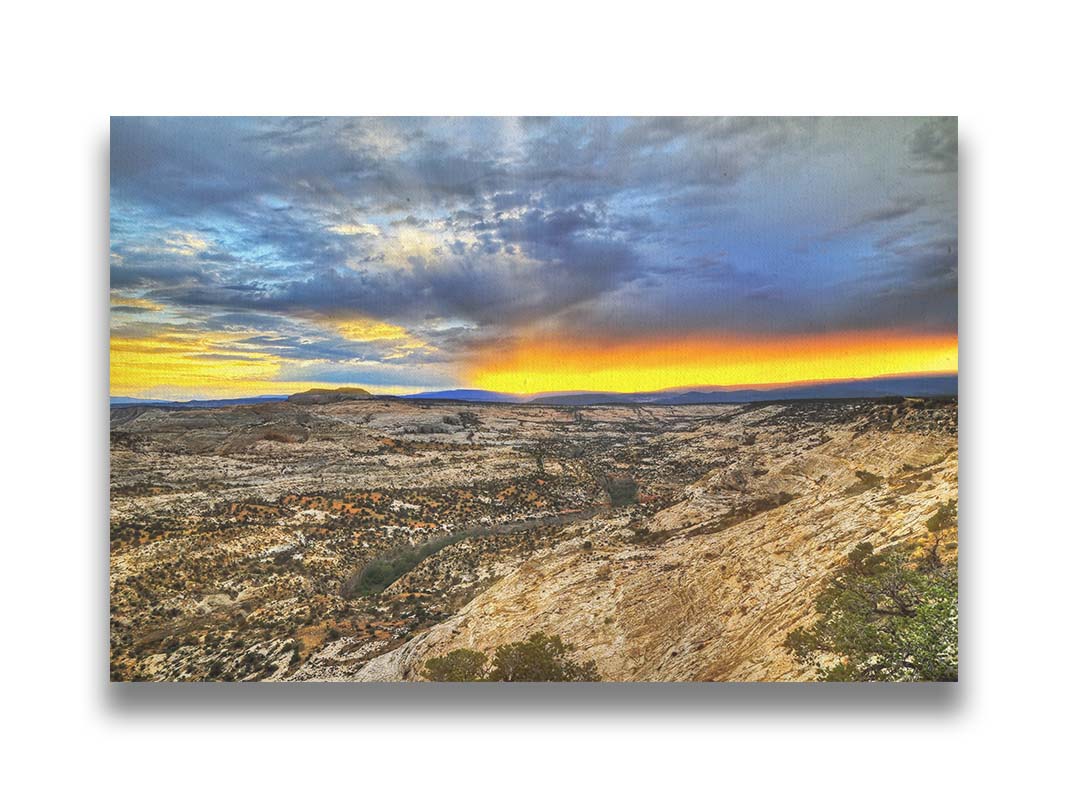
(355, 540)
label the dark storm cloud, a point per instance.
(465, 229)
(148, 277)
(900, 208)
(896, 210)
(484, 285)
(934, 146)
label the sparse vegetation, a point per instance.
(384, 570)
(889, 616)
(459, 666)
(943, 518)
(622, 489)
(541, 658)
(866, 482)
(330, 534)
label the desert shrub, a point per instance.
(867, 481)
(384, 570)
(461, 665)
(277, 436)
(541, 658)
(890, 616)
(621, 489)
(944, 517)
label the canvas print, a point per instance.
(533, 399)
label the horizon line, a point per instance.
(680, 389)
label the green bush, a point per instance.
(541, 658)
(621, 489)
(944, 517)
(384, 570)
(885, 617)
(458, 666)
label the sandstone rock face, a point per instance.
(235, 530)
(710, 588)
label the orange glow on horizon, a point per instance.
(557, 365)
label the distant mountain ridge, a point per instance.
(236, 401)
(467, 396)
(896, 386)
(910, 386)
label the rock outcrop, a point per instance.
(709, 590)
(320, 396)
(664, 542)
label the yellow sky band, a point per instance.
(189, 366)
(642, 366)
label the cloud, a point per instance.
(934, 146)
(899, 208)
(448, 235)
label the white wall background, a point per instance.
(67, 66)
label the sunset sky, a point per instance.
(266, 256)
